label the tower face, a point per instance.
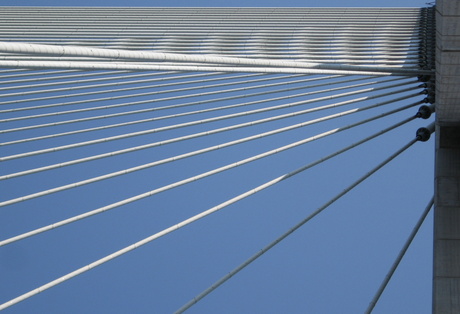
(446, 296)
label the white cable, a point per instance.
(194, 153)
(290, 231)
(57, 113)
(399, 258)
(157, 235)
(196, 135)
(187, 124)
(151, 101)
(201, 102)
(9, 102)
(303, 124)
(338, 69)
(125, 80)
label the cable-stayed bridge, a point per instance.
(197, 142)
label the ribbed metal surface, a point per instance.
(384, 36)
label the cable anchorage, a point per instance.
(424, 134)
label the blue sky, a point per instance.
(334, 264)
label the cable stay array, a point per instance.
(126, 127)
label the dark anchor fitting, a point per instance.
(424, 78)
(425, 111)
(430, 99)
(423, 134)
(427, 91)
